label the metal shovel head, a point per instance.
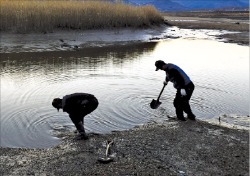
(105, 160)
(155, 104)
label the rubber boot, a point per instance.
(180, 116)
(191, 116)
(81, 130)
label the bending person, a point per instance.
(77, 105)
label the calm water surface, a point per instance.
(124, 81)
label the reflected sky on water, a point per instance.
(123, 79)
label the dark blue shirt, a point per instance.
(177, 76)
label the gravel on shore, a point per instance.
(169, 148)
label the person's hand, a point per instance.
(183, 92)
(165, 82)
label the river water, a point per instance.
(124, 80)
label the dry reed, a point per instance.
(48, 15)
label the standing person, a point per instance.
(184, 86)
(77, 105)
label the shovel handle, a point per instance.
(161, 92)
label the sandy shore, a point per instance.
(170, 148)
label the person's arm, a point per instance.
(166, 79)
(179, 81)
(72, 102)
(165, 82)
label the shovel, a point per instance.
(156, 103)
(107, 159)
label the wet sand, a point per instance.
(169, 148)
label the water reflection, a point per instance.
(123, 79)
(29, 81)
(86, 58)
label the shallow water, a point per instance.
(123, 79)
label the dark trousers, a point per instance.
(181, 103)
(78, 117)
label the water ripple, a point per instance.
(123, 80)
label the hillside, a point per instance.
(187, 5)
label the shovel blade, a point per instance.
(105, 160)
(155, 104)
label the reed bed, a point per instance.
(48, 15)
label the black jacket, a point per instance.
(79, 102)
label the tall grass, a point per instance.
(48, 15)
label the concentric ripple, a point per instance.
(123, 80)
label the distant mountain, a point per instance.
(162, 5)
(181, 5)
(212, 4)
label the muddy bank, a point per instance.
(230, 27)
(237, 22)
(168, 148)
